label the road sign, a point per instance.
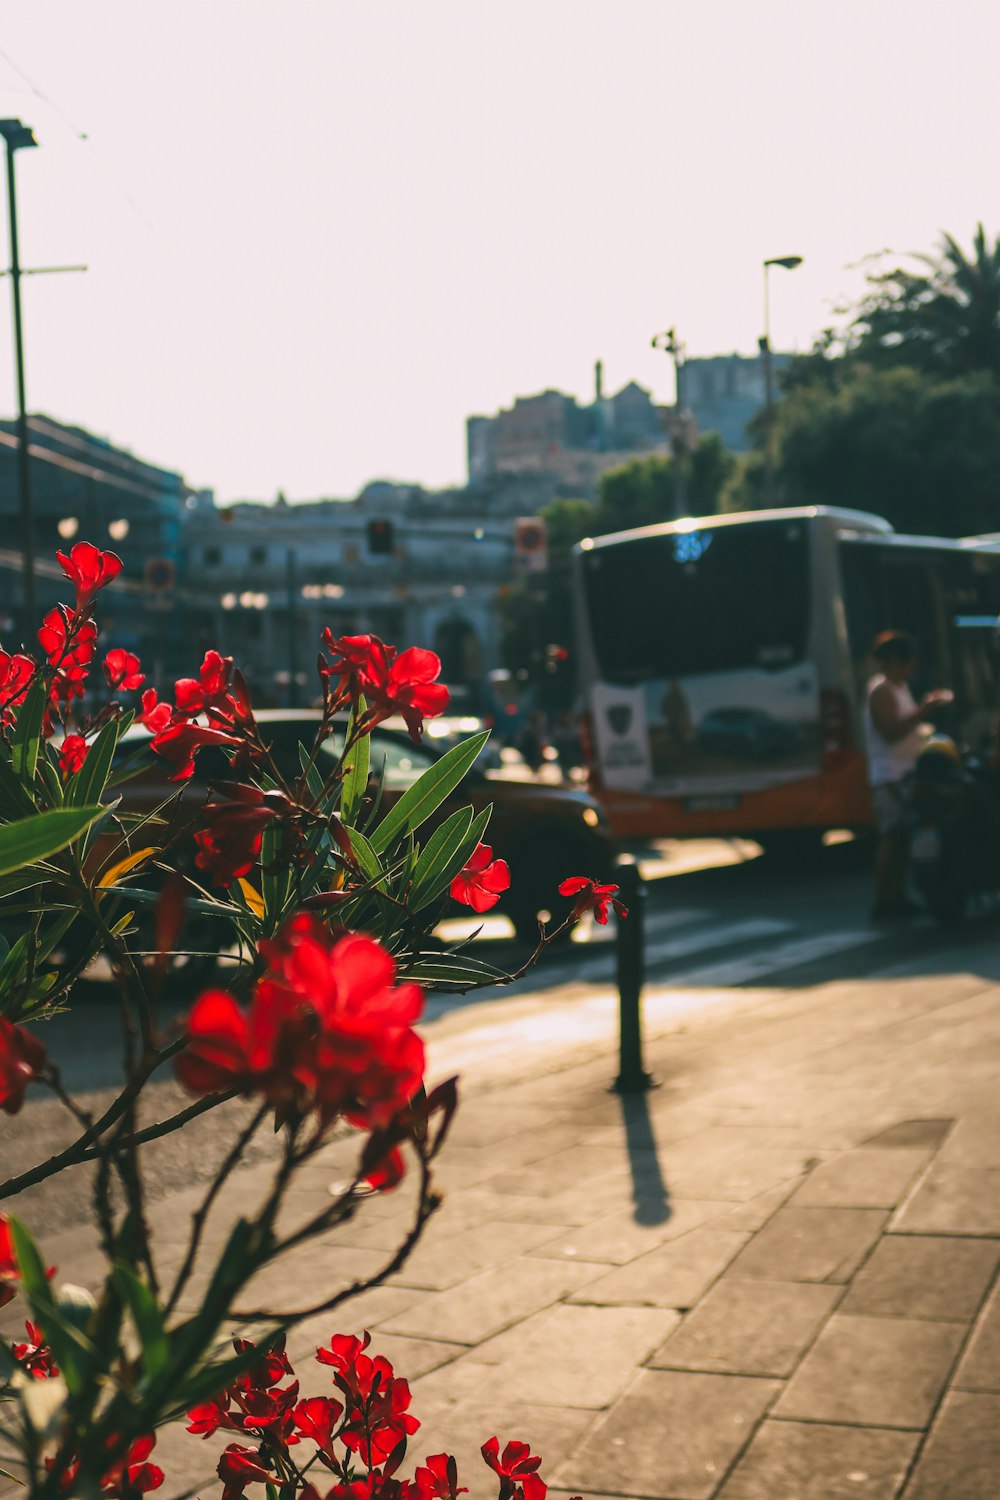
(158, 581)
(530, 545)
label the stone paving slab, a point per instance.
(619, 1237)
(980, 1367)
(749, 1328)
(961, 1460)
(867, 1178)
(491, 1301)
(953, 1199)
(921, 1276)
(607, 1343)
(676, 1274)
(811, 1461)
(874, 1372)
(671, 1437)
(810, 1244)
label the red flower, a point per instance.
(377, 1417)
(219, 691)
(22, 1061)
(354, 656)
(72, 754)
(239, 1467)
(406, 685)
(516, 1468)
(209, 1416)
(438, 1480)
(155, 716)
(89, 569)
(325, 1030)
(16, 673)
(10, 1273)
(592, 897)
(68, 642)
(132, 1475)
(122, 669)
(35, 1355)
(480, 882)
(229, 845)
(316, 1419)
(180, 743)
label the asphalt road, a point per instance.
(717, 917)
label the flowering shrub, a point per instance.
(327, 896)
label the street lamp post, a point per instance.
(17, 137)
(671, 344)
(789, 263)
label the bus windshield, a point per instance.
(692, 602)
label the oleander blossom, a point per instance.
(517, 1470)
(481, 881)
(122, 669)
(404, 683)
(377, 1415)
(16, 673)
(592, 897)
(88, 569)
(72, 754)
(23, 1060)
(229, 842)
(10, 1271)
(326, 1031)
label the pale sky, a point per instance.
(321, 233)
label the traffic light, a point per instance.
(381, 538)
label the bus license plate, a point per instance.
(721, 802)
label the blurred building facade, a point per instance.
(549, 444)
(725, 392)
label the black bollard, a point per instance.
(632, 1076)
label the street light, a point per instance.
(788, 263)
(671, 344)
(18, 137)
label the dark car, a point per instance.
(544, 832)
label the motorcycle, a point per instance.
(955, 830)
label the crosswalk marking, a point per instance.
(765, 961)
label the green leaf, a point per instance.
(27, 736)
(32, 839)
(425, 796)
(368, 861)
(88, 784)
(438, 852)
(356, 774)
(70, 1346)
(147, 1317)
(441, 973)
(14, 799)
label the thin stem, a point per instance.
(201, 1214)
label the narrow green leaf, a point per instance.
(425, 796)
(32, 839)
(440, 848)
(442, 973)
(369, 862)
(27, 736)
(356, 774)
(146, 1316)
(15, 801)
(88, 784)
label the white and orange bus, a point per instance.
(724, 659)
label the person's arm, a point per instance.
(893, 725)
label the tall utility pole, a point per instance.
(18, 136)
(788, 262)
(671, 344)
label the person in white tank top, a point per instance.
(895, 727)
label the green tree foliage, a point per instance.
(924, 452)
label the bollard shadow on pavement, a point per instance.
(650, 1195)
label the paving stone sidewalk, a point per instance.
(773, 1276)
